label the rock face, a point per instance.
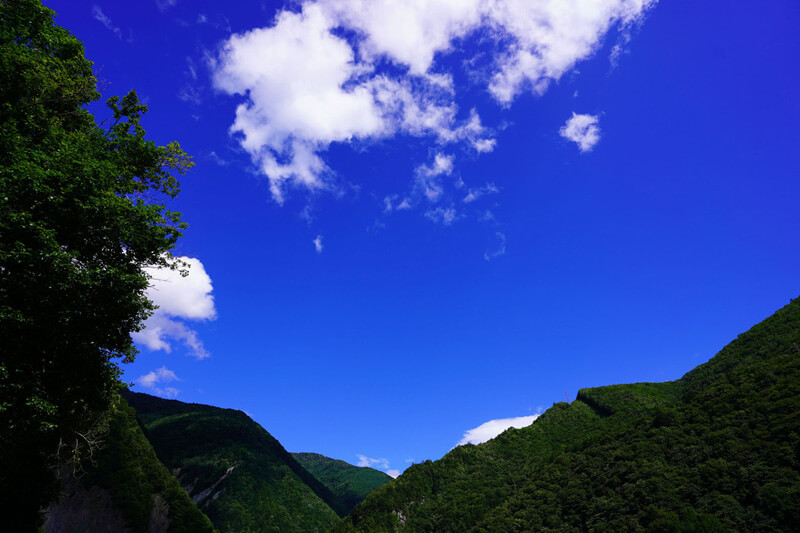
(124, 488)
(83, 509)
(237, 473)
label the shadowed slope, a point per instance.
(238, 474)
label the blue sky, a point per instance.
(423, 220)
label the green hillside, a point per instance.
(237, 473)
(718, 450)
(123, 488)
(350, 483)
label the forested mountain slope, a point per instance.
(718, 450)
(237, 473)
(123, 488)
(349, 483)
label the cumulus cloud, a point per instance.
(178, 298)
(492, 428)
(393, 472)
(318, 244)
(154, 381)
(582, 130)
(343, 71)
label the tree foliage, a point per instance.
(82, 210)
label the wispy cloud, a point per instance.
(582, 130)
(304, 85)
(428, 176)
(371, 462)
(318, 244)
(163, 5)
(476, 192)
(499, 250)
(492, 428)
(395, 202)
(442, 215)
(154, 380)
(101, 17)
(379, 464)
(178, 299)
(213, 156)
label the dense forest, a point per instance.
(717, 450)
(348, 482)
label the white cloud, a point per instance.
(475, 193)
(484, 145)
(153, 381)
(442, 215)
(163, 5)
(304, 85)
(160, 329)
(318, 244)
(363, 460)
(190, 94)
(394, 203)
(380, 464)
(550, 36)
(409, 32)
(492, 428)
(217, 159)
(428, 180)
(101, 17)
(582, 130)
(183, 296)
(178, 298)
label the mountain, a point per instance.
(717, 450)
(237, 473)
(349, 483)
(123, 488)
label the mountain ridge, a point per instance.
(350, 483)
(715, 450)
(240, 475)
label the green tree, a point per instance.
(82, 211)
